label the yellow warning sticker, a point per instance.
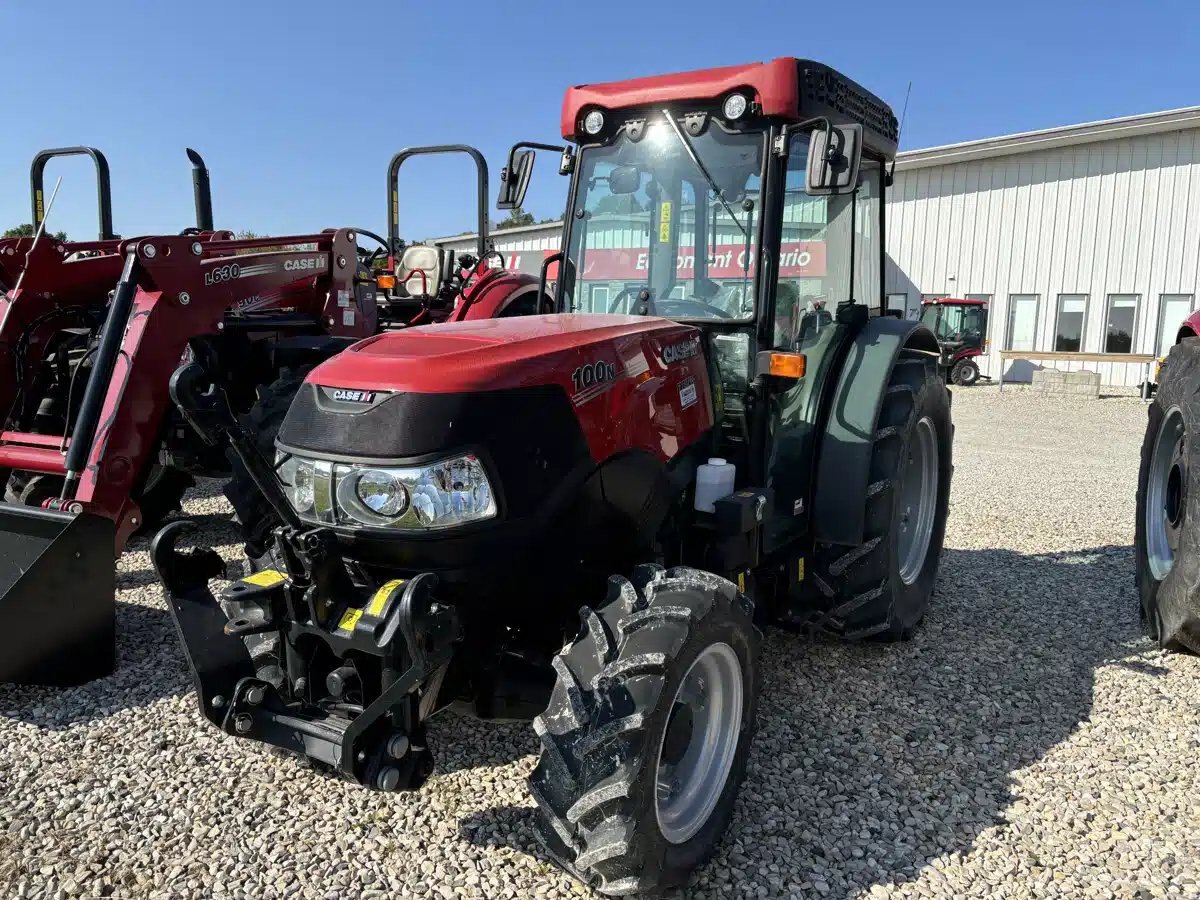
(349, 619)
(800, 569)
(664, 223)
(265, 578)
(375, 607)
(742, 582)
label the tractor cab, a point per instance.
(749, 205)
(960, 326)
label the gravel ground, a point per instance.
(1028, 743)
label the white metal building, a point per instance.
(1083, 238)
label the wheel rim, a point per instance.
(1166, 494)
(698, 745)
(918, 500)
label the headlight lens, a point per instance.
(735, 106)
(593, 122)
(438, 495)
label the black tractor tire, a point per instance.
(161, 495)
(965, 373)
(608, 721)
(1168, 506)
(862, 592)
(265, 418)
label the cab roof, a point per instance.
(787, 88)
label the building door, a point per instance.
(1022, 321)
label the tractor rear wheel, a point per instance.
(965, 373)
(264, 419)
(881, 588)
(1167, 539)
(645, 739)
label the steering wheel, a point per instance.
(616, 301)
(381, 250)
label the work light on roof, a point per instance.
(735, 106)
(593, 122)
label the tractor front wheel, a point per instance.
(645, 739)
(264, 419)
(881, 588)
(965, 373)
(1167, 536)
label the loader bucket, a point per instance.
(57, 596)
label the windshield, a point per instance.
(668, 224)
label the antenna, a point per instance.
(37, 237)
(899, 130)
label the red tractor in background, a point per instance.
(53, 296)
(584, 520)
(92, 334)
(961, 329)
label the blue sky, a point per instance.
(299, 106)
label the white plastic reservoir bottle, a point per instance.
(714, 480)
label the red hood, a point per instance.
(486, 354)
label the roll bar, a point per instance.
(103, 186)
(394, 195)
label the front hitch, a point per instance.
(400, 624)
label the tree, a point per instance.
(619, 204)
(29, 231)
(516, 219)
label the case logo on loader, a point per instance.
(307, 264)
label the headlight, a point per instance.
(593, 122)
(438, 495)
(735, 106)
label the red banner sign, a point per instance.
(798, 259)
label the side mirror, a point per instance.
(624, 180)
(514, 179)
(834, 155)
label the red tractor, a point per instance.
(584, 520)
(88, 432)
(961, 329)
(1167, 535)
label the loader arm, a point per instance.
(180, 295)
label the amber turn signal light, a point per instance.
(787, 365)
(387, 282)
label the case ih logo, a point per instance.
(678, 352)
(304, 265)
(348, 396)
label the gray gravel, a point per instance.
(1029, 742)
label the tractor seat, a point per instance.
(420, 270)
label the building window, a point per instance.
(1172, 310)
(599, 298)
(898, 303)
(1022, 321)
(1119, 323)
(940, 296)
(1068, 324)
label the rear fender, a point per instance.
(847, 441)
(493, 294)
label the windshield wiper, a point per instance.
(691, 151)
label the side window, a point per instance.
(867, 240)
(814, 257)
